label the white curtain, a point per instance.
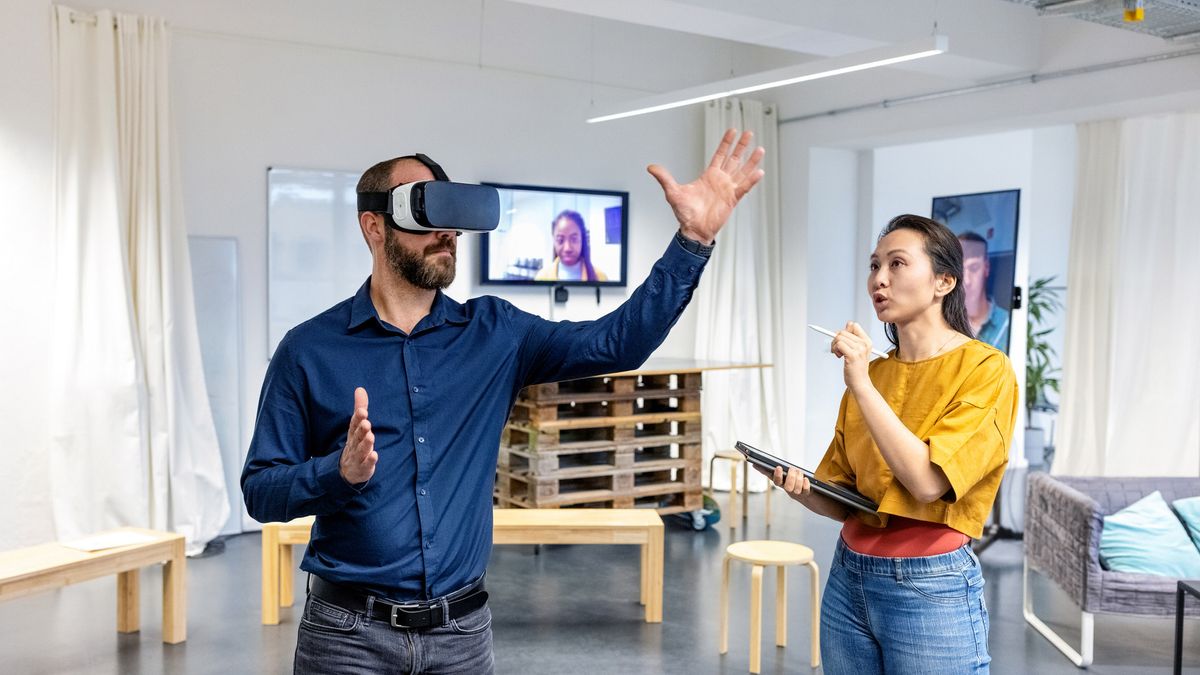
(1131, 367)
(740, 308)
(132, 436)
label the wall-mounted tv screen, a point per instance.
(552, 236)
(986, 225)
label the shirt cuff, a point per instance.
(694, 247)
(329, 476)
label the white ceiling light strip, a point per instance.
(781, 77)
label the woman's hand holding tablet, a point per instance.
(768, 464)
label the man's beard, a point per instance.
(414, 268)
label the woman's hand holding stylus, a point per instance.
(853, 346)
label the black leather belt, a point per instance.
(421, 614)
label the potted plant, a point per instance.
(1041, 374)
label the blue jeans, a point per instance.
(336, 640)
(904, 615)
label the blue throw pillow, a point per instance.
(1189, 512)
(1147, 538)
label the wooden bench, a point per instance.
(643, 527)
(38, 568)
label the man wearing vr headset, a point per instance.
(382, 416)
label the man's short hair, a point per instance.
(972, 236)
(379, 177)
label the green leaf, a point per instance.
(1040, 371)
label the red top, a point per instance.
(902, 538)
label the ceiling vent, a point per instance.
(1174, 20)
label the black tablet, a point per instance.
(844, 495)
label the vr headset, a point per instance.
(436, 205)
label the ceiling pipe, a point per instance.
(999, 84)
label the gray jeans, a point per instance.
(336, 640)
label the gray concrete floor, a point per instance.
(569, 608)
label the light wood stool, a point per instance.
(779, 554)
(736, 459)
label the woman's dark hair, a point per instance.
(946, 255)
(585, 247)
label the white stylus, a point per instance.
(824, 331)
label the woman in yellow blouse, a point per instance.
(924, 433)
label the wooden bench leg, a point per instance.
(270, 575)
(652, 573)
(128, 601)
(286, 574)
(645, 574)
(175, 596)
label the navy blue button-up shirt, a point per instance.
(439, 399)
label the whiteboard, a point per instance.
(316, 255)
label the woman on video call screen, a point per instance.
(986, 225)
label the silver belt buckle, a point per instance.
(410, 610)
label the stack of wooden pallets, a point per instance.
(619, 441)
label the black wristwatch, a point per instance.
(693, 246)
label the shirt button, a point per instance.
(416, 390)
(428, 543)
(422, 492)
(420, 439)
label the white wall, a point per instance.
(26, 221)
(1050, 208)
(833, 269)
(331, 85)
(1050, 204)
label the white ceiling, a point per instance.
(989, 40)
(622, 50)
(991, 37)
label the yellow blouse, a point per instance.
(963, 405)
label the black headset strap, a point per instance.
(382, 201)
(379, 202)
(434, 167)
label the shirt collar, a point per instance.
(444, 309)
(361, 307)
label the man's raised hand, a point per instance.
(703, 205)
(358, 457)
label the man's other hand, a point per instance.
(358, 457)
(703, 205)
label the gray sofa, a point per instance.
(1064, 517)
